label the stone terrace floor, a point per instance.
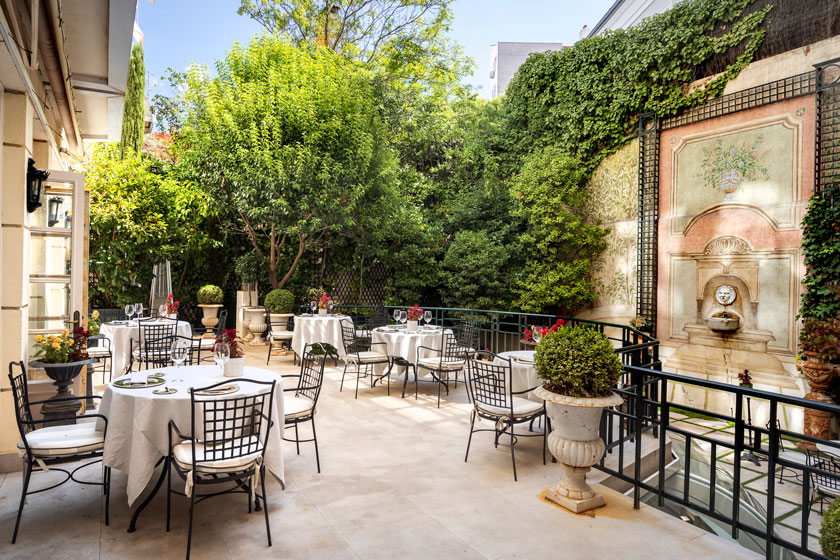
(393, 485)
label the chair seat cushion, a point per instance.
(367, 357)
(64, 441)
(521, 407)
(183, 456)
(282, 335)
(445, 364)
(296, 407)
(98, 352)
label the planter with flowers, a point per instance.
(210, 300)
(235, 365)
(170, 308)
(579, 367)
(725, 167)
(531, 337)
(62, 357)
(745, 379)
(414, 316)
(820, 363)
(324, 303)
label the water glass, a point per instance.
(129, 311)
(179, 352)
(221, 354)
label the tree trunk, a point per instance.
(301, 248)
(272, 262)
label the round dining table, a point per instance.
(137, 437)
(523, 371)
(310, 329)
(121, 333)
(403, 344)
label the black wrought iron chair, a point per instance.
(359, 351)
(489, 380)
(276, 335)
(467, 335)
(206, 343)
(154, 345)
(299, 406)
(99, 348)
(447, 360)
(825, 479)
(231, 448)
(42, 448)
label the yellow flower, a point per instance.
(95, 314)
(56, 345)
(68, 342)
(39, 338)
(65, 333)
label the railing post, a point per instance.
(637, 467)
(739, 447)
(773, 454)
(665, 410)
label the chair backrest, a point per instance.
(20, 394)
(221, 325)
(379, 318)
(311, 372)
(467, 335)
(489, 381)
(156, 339)
(232, 427)
(452, 348)
(827, 477)
(348, 336)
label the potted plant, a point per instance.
(745, 379)
(235, 365)
(579, 367)
(414, 316)
(210, 300)
(170, 308)
(324, 304)
(819, 362)
(62, 357)
(280, 305)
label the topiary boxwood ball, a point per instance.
(578, 362)
(209, 295)
(280, 301)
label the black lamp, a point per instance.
(53, 208)
(34, 186)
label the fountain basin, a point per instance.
(723, 324)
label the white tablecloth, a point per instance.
(121, 337)
(405, 344)
(138, 421)
(311, 329)
(524, 375)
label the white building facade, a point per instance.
(506, 58)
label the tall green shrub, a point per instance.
(830, 531)
(134, 112)
(821, 249)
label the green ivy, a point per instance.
(821, 249)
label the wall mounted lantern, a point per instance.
(53, 209)
(34, 186)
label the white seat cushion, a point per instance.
(283, 335)
(521, 407)
(98, 352)
(63, 441)
(437, 363)
(295, 407)
(183, 456)
(367, 357)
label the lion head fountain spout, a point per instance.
(724, 321)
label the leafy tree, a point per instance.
(475, 272)
(550, 195)
(290, 139)
(140, 213)
(134, 112)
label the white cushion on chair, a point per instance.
(98, 352)
(521, 407)
(183, 456)
(283, 335)
(295, 407)
(63, 441)
(437, 363)
(367, 357)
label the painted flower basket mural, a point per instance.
(727, 165)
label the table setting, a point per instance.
(321, 325)
(523, 371)
(403, 338)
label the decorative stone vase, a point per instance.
(729, 183)
(412, 326)
(235, 367)
(819, 374)
(63, 376)
(256, 324)
(575, 443)
(280, 321)
(322, 312)
(210, 312)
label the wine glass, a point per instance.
(138, 307)
(330, 307)
(162, 310)
(403, 316)
(396, 315)
(129, 310)
(221, 354)
(179, 351)
(537, 336)
(427, 317)
(313, 305)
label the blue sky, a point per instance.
(178, 32)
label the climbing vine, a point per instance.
(821, 249)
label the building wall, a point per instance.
(506, 58)
(627, 13)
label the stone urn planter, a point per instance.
(210, 312)
(575, 443)
(817, 423)
(56, 407)
(235, 367)
(280, 321)
(256, 324)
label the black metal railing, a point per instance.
(647, 405)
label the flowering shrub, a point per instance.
(63, 348)
(229, 338)
(415, 313)
(324, 301)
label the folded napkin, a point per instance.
(138, 378)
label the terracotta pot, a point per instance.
(576, 444)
